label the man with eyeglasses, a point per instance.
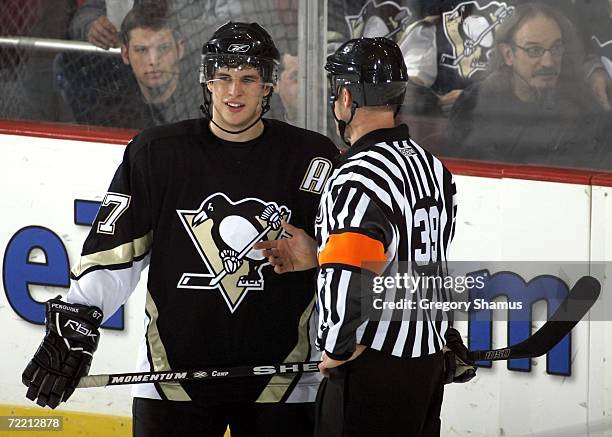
(465, 36)
(533, 107)
(190, 200)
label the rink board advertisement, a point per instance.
(51, 191)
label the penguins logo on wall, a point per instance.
(469, 30)
(386, 19)
(224, 233)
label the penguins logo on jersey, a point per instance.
(469, 29)
(386, 19)
(606, 45)
(224, 233)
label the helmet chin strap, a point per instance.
(209, 118)
(205, 108)
(342, 125)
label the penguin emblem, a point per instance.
(470, 29)
(224, 233)
(385, 18)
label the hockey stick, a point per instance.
(577, 303)
(199, 374)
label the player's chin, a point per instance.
(241, 121)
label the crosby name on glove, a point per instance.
(65, 353)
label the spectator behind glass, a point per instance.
(597, 30)
(532, 107)
(287, 87)
(97, 21)
(465, 33)
(151, 92)
(153, 48)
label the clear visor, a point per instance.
(211, 63)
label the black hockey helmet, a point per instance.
(236, 45)
(372, 69)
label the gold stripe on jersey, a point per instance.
(122, 254)
(278, 385)
(174, 392)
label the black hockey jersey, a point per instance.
(191, 207)
(407, 22)
(465, 40)
(597, 30)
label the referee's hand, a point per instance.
(329, 363)
(295, 253)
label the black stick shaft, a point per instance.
(208, 373)
(578, 302)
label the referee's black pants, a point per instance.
(159, 418)
(381, 395)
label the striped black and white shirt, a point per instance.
(388, 208)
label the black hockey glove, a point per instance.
(65, 353)
(458, 367)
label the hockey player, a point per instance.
(189, 201)
(388, 207)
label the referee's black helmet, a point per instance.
(372, 69)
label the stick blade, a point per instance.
(578, 302)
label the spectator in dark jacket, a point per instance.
(532, 107)
(154, 91)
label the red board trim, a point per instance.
(497, 170)
(63, 131)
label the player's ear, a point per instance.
(346, 99)
(209, 85)
(506, 52)
(181, 48)
(267, 90)
(125, 54)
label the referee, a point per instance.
(389, 207)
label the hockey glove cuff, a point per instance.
(458, 367)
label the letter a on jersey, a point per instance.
(224, 233)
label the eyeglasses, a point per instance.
(538, 51)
